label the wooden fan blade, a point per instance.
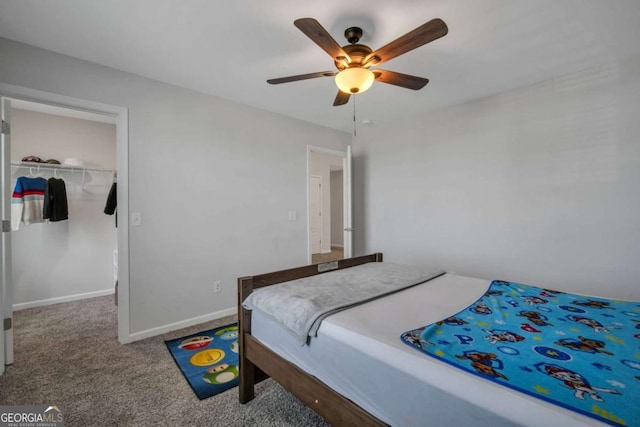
(312, 29)
(422, 35)
(301, 77)
(341, 98)
(399, 79)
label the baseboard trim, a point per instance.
(337, 246)
(136, 336)
(148, 333)
(58, 300)
(325, 251)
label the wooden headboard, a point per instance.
(275, 277)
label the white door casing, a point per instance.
(6, 300)
(348, 204)
(315, 213)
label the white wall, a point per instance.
(538, 185)
(320, 164)
(337, 209)
(66, 258)
(213, 179)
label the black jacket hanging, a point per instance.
(55, 201)
(112, 201)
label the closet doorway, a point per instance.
(77, 258)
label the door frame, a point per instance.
(121, 115)
(347, 195)
(6, 330)
(320, 209)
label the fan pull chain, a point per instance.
(354, 115)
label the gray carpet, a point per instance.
(68, 355)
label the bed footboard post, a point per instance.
(247, 369)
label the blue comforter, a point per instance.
(582, 353)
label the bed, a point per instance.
(357, 371)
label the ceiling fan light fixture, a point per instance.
(354, 79)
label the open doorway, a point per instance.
(76, 253)
(328, 205)
(88, 180)
(69, 157)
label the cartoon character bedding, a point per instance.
(582, 353)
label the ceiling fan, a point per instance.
(354, 60)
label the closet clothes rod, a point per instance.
(51, 166)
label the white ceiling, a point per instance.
(230, 48)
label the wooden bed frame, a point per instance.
(257, 362)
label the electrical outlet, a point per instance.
(136, 219)
(217, 286)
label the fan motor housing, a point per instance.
(357, 53)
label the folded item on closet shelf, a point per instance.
(33, 159)
(52, 161)
(72, 161)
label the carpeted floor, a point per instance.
(68, 355)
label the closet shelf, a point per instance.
(51, 166)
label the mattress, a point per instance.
(359, 354)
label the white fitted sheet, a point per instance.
(359, 354)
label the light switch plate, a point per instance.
(293, 215)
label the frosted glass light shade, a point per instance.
(354, 80)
